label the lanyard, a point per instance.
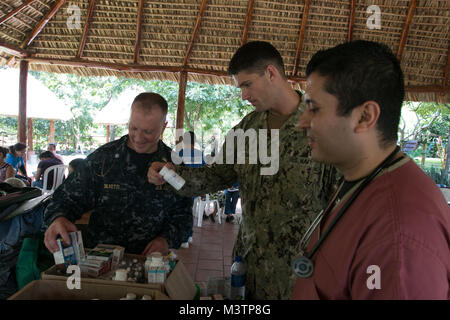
(303, 266)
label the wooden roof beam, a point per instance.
(14, 51)
(137, 46)
(401, 46)
(351, 21)
(86, 28)
(15, 11)
(174, 69)
(248, 19)
(194, 33)
(300, 38)
(42, 23)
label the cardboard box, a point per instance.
(178, 285)
(57, 290)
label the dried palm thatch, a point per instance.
(157, 39)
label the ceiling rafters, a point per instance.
(351, 20)
(248, 20)
(401, 46)
(13, 50)
(86, 28)
(50, 14)
(15, 11)
(137, 46)
(195, 31)
(447, 67)
(301, 36)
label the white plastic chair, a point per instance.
(59, 171)
(199, 208)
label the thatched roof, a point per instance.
(156, 39)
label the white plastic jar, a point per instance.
(172, 178)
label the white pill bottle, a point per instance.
(172, 178)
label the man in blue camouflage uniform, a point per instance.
(276, 208)
(126, 209)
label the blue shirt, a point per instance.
(16, 162)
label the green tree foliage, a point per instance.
(431, 129)
(208, 109)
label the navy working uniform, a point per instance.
(126, 209)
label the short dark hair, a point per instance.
(46, 154)
(75, 163)
(360, 71)
(254, 57)
(149, 99)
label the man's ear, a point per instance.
(272, 72)
(366, 116)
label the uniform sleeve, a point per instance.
(179, 221)
(207, 179)
(73, 197)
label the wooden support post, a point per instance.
(22, 117)
(51, 136)
(108, 127)
(181, 101)
(30, 134)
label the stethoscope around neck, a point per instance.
(302, 266)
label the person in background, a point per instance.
(193, 158)
(15, 158)
(386, 232)
(52, 148)
(47, 160)
(231, 200)
(74, 165)
(6, 170)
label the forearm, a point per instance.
(37, 176)
(206, 179)
(23, 170)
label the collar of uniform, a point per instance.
(292, 121)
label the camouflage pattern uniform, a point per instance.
(126, 209)
(276, 209)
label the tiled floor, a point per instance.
(210, 254)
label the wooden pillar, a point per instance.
(30, 134)
(51, 137)
(108, 127)
(22, 117)
(22, 121)
(181, 102)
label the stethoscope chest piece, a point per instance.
(303, 267)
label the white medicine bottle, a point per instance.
(172, 178)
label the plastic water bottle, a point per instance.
(237, 288)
